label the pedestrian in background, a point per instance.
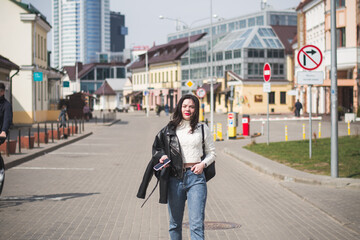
(63, 116)
(298, 107)
(166, 109)
(181, 140)
(6, 114)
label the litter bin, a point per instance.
(246, 124)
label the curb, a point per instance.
(42, 152)
(307, 178)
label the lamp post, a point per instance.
(211, 75)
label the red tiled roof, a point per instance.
(286, 35)
(170, 51)
(105, 89)
(85, 68)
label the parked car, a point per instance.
(122, 108)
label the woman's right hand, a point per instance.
(161, 160)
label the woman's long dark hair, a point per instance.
(177, 115)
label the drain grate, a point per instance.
(217, 225)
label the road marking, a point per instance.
(49, 168)
(97, 144)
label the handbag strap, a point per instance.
(203, 139)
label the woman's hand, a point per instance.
(198, 168)
(163, 158)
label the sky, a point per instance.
(145, 27)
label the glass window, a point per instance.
(237, 53)
(242, 23)
(184, 61)
(184, 74)
(219, 71)
(89, 76)
(120, 72)
(237, 68)
(340, 37)
(340, 3)
(251, 22)
(219, 56)
(272, 98)
(260, 20)
(228, 67)
(228, 55)
(282, 97)
(250, 68)
(231, 26)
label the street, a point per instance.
(87, 190)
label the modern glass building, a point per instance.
(81, 28)
(243, 51)
(266, 17)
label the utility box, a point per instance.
(232, 124)
(246, 124)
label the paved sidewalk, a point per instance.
(28, 154)
(86, 190)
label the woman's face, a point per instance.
(187, 109)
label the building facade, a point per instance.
(36, 88)
(81, 29)
(314, 29)
(118, 32)
(160, 79)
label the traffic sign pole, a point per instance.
(267, 77)
(310, 123)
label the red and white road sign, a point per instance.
(230, 115)
(200, 92)
(267, 72)
(309, 57)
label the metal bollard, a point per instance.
(349, 127)
(52, 132)
(38, 140)
(286, 133)
(29, 134)
(45, 134)
(304, 131)
(58, 130)
(319, 129)
(19, 140)
(83, 126)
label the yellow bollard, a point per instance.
(319, 129)
(349, 127)
(286, 133)
(219, 132)
(304, 131)
(202, 115)
(214, 133)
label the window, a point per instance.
(228, 67)
(219, 71)
(340, 3)
(237, 68)
(228, 55)
(237, 53)
(340, 37)
(185, 74)
(120, 72)
(184, 61)
(282, 97)
(219, 56)
(251, 22)
(272, 98)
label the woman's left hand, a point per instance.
(198, 168)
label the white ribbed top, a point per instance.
(191, 143)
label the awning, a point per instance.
(207, 86)
(226, 91)
(134, 94)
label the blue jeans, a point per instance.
(192, 188)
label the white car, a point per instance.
(122, 108)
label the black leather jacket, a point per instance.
(166, 143)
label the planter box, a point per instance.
(12, 147)
(44, 138)
(25, 142)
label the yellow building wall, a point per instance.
(23, 117)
